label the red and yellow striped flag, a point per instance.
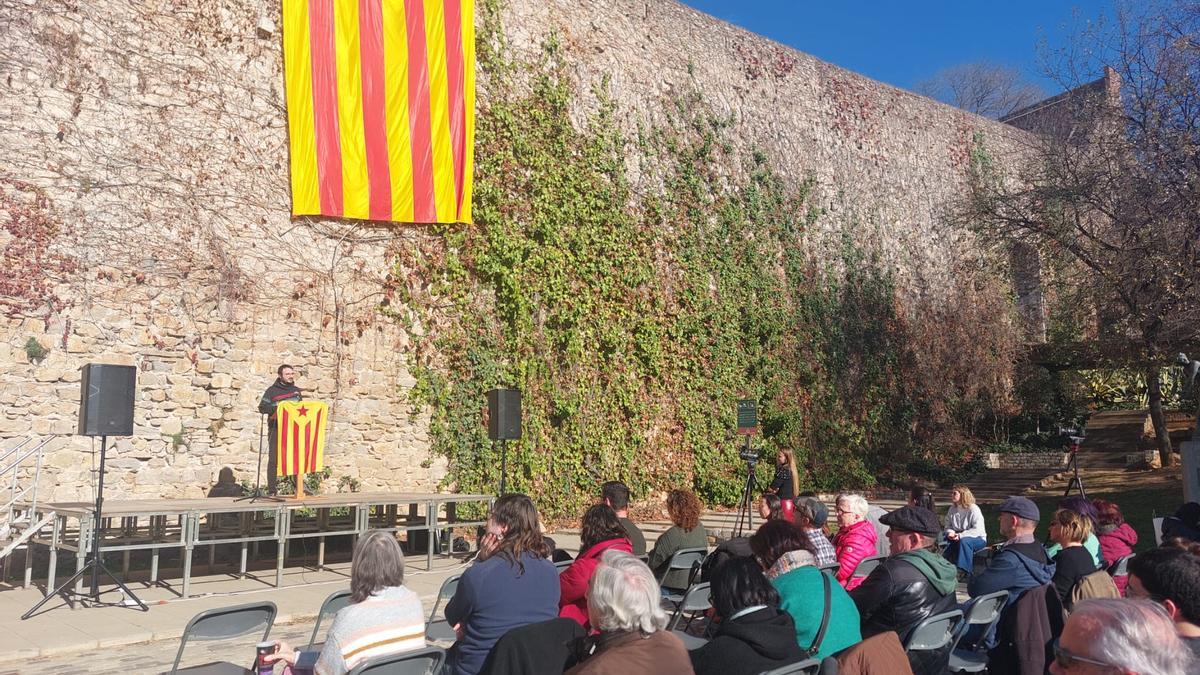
(301, 436)
(381, 108)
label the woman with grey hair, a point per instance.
(855, 539)
(1133, 637)
(383, 617)
(624, 603)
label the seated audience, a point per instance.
(383, 616)
(754, 634)
(1020, 563)
(921, 496)
(771, 507)
(1068, 529)
(1132, 637)
(788, 560)
(625, 605)
(1088, 510)
(1185, 523)
(811, 516)
(913, 584)
(683, 508)
(855, 539)
(601, 532)
(511, 584)
(1171, 577)
(616, 496)
(965, 530)
(1117, 537)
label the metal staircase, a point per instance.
(19, 498)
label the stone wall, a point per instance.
(143, 171)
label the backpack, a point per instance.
(1098, 584)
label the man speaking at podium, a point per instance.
(284, 389)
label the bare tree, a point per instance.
(1116, 186)
(984, 88)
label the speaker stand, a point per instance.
(503, 465)
(94, 564)
(258, 494)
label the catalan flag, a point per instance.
(381, 108)
(301, 436)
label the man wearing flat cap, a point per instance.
(913, 584)
(1020, 563)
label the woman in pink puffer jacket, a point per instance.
(1117, 538)
(855, 539)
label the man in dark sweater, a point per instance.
(616, 495)
(284, 389)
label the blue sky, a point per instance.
(902, 43)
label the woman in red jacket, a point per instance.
(1117, 538)
(855, 539)
(601, 531)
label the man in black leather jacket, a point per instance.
(913, 584)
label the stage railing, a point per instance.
(187, 524)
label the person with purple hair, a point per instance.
(1084, 507)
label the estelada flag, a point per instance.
(301, 436)
(381, 108)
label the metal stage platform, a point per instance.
(187, 524)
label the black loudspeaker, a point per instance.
(106, 400)
(504, 414)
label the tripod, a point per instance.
(258, 493)
(95, 561)
(1076, 482)
(745, 519)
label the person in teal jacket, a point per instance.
(788, 560)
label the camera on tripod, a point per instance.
(1074, 437)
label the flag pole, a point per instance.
(300, 486)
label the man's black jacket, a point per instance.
(897, 597)
(276, 393)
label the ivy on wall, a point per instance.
(632, 317)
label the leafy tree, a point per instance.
(1113, 183)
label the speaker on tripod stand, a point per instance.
(106, 393)
(504, 424)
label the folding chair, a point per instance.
(694, 601)
(867, 565)
(805, 667)
(1120, 568)
(223, 623)
(336, 601)
(427, 661)
(832, 568)
(562, 565)
(440, 630)
(934, 633)
(983, 610)
(684, 559)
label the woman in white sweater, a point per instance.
(964, 529)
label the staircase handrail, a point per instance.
(14, 467)
(15, 448)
